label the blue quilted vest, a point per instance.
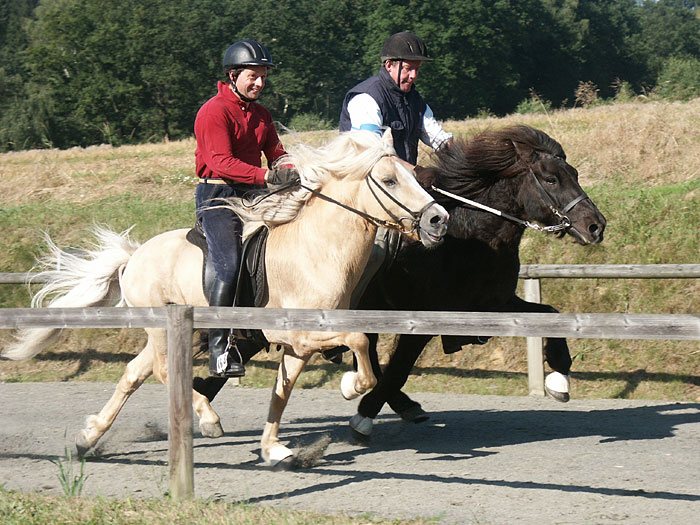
(402, 112)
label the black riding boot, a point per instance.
(224, 358)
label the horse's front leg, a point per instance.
(357, 383)
(271, 450)
(556, 351)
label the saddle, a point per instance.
(251, 288)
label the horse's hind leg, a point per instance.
(136, 372)
(209, 422)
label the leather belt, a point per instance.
(213, 181)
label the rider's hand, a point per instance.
(279, 176)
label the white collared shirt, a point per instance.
(365, 114)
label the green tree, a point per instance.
(123, 71)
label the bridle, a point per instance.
(398, 222)
(564, 221)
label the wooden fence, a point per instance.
(181, 320)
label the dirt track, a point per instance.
(479, 459)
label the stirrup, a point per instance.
(226, 364)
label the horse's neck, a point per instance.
(500, 234)
(326, 246)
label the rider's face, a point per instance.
(406, 76)
(251, 81)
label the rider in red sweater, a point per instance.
(232, 132)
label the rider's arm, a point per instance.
(432, 133)
(365, 113)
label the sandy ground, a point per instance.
(479, 459)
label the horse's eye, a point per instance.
(550, 180)
(390, 182)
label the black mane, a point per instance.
(468, 166)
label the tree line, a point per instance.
(81, 72)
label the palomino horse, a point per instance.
(495, 186)
(320, 238)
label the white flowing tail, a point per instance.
(89, 279)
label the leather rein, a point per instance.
(560, 214)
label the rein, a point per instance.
(398, 221)
(564, 221)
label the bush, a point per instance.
(309, 122)
(586, 94)
(679, 79)
(623, 91)
(534, 104)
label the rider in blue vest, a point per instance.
(390, 99)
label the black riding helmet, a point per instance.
(404, 46)
(247, 52)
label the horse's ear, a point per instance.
(387, 137)
(522, 152)
(426, 176)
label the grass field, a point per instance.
(640, 163)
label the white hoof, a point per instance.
(347, 385)
(361, 425)
(277, 454)
(557, 386)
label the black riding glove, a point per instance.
(279, 176)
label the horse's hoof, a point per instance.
(278, 458)
(211, 430)
(361, 425)
(347, 385)
(557, 385)
(414, 414)
(82, 445)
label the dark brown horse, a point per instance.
(514, 178)
(522, 173)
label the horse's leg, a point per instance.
(210, 386)
(209, 422)
(271, 450)
(556, 351)
(136, 372)
(388, 388)
(357, 383)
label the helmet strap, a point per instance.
(235, 89)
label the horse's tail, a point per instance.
(90, 278)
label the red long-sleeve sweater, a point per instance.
(231, 138)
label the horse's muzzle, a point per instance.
(432, 225)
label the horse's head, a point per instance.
(393, 194)
(551, 193)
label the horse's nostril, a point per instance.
(435, 219)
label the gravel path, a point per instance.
(479, 459)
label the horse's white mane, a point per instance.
(349, 154)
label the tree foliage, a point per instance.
(79, 72)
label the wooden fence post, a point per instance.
(181, 459)
(532, 289)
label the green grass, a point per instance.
(37, 509)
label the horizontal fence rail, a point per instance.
(599, 326)
(527, 271)
(609, 271)
(181, 320)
